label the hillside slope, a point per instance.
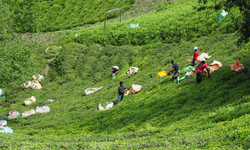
(163, 115)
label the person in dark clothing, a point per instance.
(175, 69)
(200, 69)
(115, 69)
(121, 90)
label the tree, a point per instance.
(244, 6)
(24, 15)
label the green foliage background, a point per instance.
(163, 115)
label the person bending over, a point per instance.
(200, 69)
(175, 69)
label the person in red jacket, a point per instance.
(200, 69)
(196, 53)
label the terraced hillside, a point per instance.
(163, 115)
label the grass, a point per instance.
(163, 115)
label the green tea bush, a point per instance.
(168, 26)
(91, 62)
(58, 15)
(163, 115)
(6, 20)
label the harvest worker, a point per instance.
(115, 70)
(200, 69)
(121, 90)
(175, 69)
(196, 53)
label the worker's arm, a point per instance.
(172, 70)
(208, 70)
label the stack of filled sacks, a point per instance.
(35, 84)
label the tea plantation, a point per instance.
(214, 114)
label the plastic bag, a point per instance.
(134, 25)
(3, 122)
(113, 76)
(2, 95)
(222, 14)
(6, 130)
(110, 105)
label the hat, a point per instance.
(202, 59)
(195, 48)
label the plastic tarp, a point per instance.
(3, 122)
(134, 88)
(12, 114)
(180, 79)
(6, 130)
(203, 55)
(28, 113)
(189, 73)
(132, 70)
(214, 66)
(30, 100)
(189, 67)
(44, 109)
(110, 105)
(2, 95)
(236, 66)
(91, 90)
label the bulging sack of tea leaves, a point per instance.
(134, 88)
(30, 100)
(44, 109)
(214, 66)
(28, 113)
(132, 70)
